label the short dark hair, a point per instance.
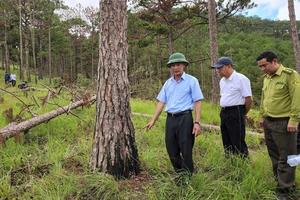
(269, 55)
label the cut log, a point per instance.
(15, 128)
(206, 127)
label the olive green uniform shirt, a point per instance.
(281, 95)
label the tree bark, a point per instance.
(2, 59)
(170, 41)
(49, 55)
(21, 40)
(7, 63)
(213, 34)
(14, 128)
(93, 36)
(295, 38)
(158, 58)
(114, 149)
(40, 67)
(33, 44)
(26, 34)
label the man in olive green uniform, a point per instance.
(279, 116)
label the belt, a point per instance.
(277, 118)
(179, 113)
(232, 107)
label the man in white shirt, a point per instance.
(13, 78)
(236, 101)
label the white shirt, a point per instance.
(234, 89)
(13, 77)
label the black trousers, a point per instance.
(180, 141)
(233, 129)
(13, 82)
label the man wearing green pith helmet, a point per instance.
(181, 94)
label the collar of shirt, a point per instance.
(278, 72)
(183, 77)
(231, 76)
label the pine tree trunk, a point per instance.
(49, 55)
(2, 59)
(93, 36)
(7, 63)
(213, 49)
(21, 41)
(40, 67)
(33, 44)
(170, 42)
(295, 38)
(114, 149)
(27, 55)
(158, 58)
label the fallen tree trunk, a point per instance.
(15, 128)
(206, 127)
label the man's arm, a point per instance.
(158, 110)
(197, 110)
(248, 103)
(294, 90)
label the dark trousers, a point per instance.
(180, 141)
(13, 82)
(233, 129)
(281, 143)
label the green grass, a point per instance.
(51, 161)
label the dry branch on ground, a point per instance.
(13, 129)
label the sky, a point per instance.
(266, 9)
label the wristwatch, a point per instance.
(197, 123)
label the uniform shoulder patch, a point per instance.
(287, 70)
(295, 83)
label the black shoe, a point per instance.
(280, 197)
(286, 197)
(288, 190)
(183, 179)
(286, 193)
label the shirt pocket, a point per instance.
(279, 86)
(279, 90)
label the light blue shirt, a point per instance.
(180, 96)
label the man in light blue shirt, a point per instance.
(181, 94)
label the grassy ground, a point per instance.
(51, 160)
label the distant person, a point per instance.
(236, 101)
(13, 78)
(181, 94)
(6, 78)
(279, 116)
(22, 85)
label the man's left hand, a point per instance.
(292, 128)
(197, 130)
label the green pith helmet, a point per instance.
(177, 58)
